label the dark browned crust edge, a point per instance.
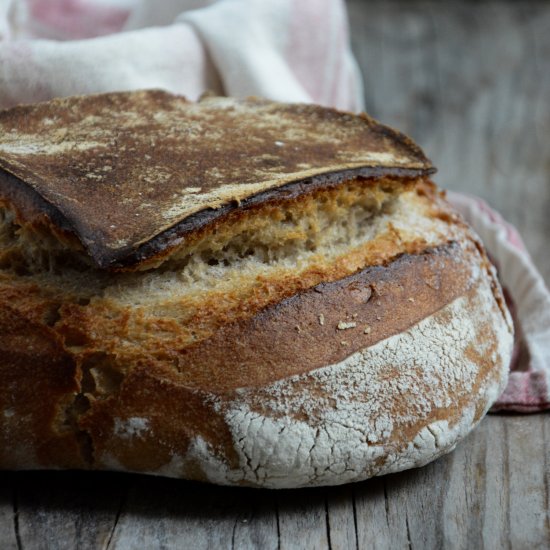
(399, 137)
(29, 205)
(33, 207)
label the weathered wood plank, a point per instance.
(8, 511)
(302, 519)
(341, 518)
(381, 524)
(480, 496)
(67, 510)
(527, 460)
(546, 467)
(407, 508)
(475, 503)
(179, 514)
(495, 531)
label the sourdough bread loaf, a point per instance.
(235, 291)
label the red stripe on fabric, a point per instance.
(77, 18)
(525, 392)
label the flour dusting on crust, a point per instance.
(375, 412)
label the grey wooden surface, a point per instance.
(471, 83)
(491, 492)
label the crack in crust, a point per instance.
(319, 329)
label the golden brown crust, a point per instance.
(326, 323)
(178, 395)
(125, 367)
(323, 321)
(175, 394)
(179, 165)
(39, 382)
(98, 315)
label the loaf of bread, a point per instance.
(236, 291)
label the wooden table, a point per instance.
(471, 83)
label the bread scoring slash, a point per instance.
(235, 291)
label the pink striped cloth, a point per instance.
(286, 50)
(528, 388)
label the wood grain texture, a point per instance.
(491, 493)
(65, 510)
(192, 515)
(8, 513)
(470, 82)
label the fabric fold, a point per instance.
(528, 388)
(285, 50)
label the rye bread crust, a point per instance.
(342, 325)
(187, 415)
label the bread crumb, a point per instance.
(378, 317)
(344, 343)
(411, 299)
(367, 330)
(354, 316)
(321, 319)
(344, 326)
(298, 328)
